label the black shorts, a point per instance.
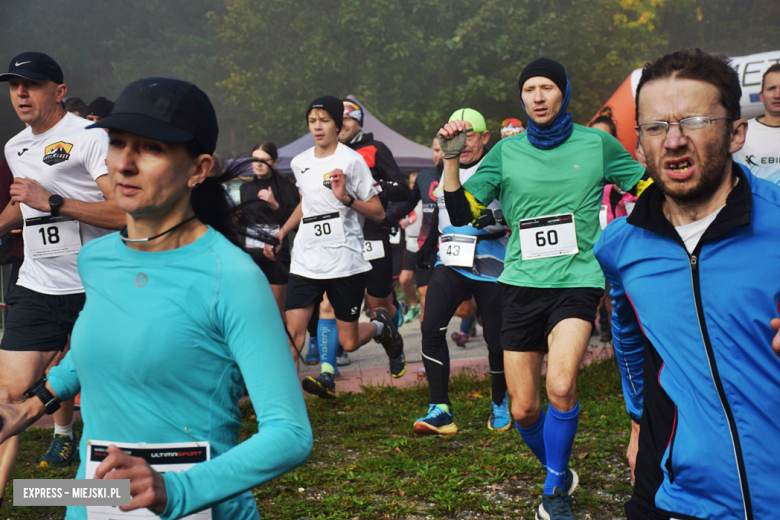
(39, 322)
(345, 294)
(410, 262)
(422, 276)
(399, 260)
(530, 313)
(379, 280)
(275, 272)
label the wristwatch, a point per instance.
(55, 201)
(351, 200)
(39, 389)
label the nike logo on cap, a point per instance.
(17, 64)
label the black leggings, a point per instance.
(446, 290)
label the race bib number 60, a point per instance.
(545, 237)
(326, 230)
(49, 236)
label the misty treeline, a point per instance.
(412, 62)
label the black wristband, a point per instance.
(351, 200)
(39, 389)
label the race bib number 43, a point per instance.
(457, 250)
(46, 237)
(325, 230)
(545, 237)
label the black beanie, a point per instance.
(330, 104)
(547, 68)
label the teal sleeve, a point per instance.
(619, 167)
(64, 380)
(485, 184)
(247, 314)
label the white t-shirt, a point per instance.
(464, 174)
(339, 258)
(66, 160)
(761, 152)
(692, 233)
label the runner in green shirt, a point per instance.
(549, 181)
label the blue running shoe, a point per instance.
(313, 355)
(499, 415)
(555, 507)
(437, 422)
(61, 453)
(322, 386)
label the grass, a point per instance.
(367, 464)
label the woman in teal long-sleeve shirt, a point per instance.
(177, 320)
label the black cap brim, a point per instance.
(144, 126)
(8, 76)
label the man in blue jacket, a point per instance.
(694, 278)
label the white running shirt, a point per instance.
(325, 261)
(66, 160)
(761, 152)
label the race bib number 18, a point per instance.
(46, 237)
(326, 230)
(545, 237)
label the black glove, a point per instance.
(489, 217)
(426, 257)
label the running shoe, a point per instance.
(313, 355)
(398, 366)
(61, 453)
(414, 311)
(342, 357)
(606, 336)
(398, 319)
(473, 329)
(390, 339)
(437, 422)
(322, 386)
(555, 507)
(460, 338)
(422, 372)
(499, 415)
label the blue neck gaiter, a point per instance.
(554, 135)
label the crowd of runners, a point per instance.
(158, 297)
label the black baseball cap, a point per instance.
(36, 66)
(166, 109)
(101, 107)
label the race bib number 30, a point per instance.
(545, 237)
(457, 250)
(161, 457)
(325, 230)
(46, 237)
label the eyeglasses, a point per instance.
(689, 124)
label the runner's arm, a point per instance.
(404, 208)
(628, 340)
(284, 437)
(11, 218)
(394, 187)
(104, 214)
(372, 208)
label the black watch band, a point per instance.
(351, 200)
(55, 201)
(39, 389)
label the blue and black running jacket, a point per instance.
(692, 337)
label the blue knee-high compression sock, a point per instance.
(465, 323)
(559, 431)
(534, 438)
(328, 338)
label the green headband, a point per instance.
(472, 116)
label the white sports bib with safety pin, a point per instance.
(373, 250)
(457, 250)
(395, 238)
(50, 236)
(179, 456)
(548, 236)
(324, 230)
(252, 240)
